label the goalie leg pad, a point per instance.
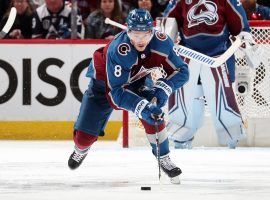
(231, 134)
(186, 108)
(222, 104)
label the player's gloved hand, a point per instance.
(162, 91)
(149, 112)
(251, 50)
(247, 40)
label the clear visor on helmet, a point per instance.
(140, 36)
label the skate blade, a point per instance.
(175, 180)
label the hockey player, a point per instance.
(119, 75)
(205, 26)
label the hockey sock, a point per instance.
(83, 140)
(162, 137)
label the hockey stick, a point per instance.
(154, 101)
(174, 180)
(207, 60)
(114, 23)
(194, 55)
(9, 23)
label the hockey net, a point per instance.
(252, 88)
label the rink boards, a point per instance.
(41, 86)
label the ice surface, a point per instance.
(38, 171)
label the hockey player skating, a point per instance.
(205, 26)
(120, 74)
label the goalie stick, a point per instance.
(194, 55)
(9, 23)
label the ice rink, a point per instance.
(38, 171)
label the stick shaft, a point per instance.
(9, 23)
(229, 52)
(114, 23)
(154, 101)
(158, 151)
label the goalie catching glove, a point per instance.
(149, 112)
(162, 90)
(251, 49)
(247, 39)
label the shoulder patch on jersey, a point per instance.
(123, 49)
(161, 36)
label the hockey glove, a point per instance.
(251, 50)
(149, 112)
(247, 40)
(162, 91)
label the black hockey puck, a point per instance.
(145, 188)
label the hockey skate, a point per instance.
(170, 169)
(76, 158)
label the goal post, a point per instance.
(252, 88)
(125, 129)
